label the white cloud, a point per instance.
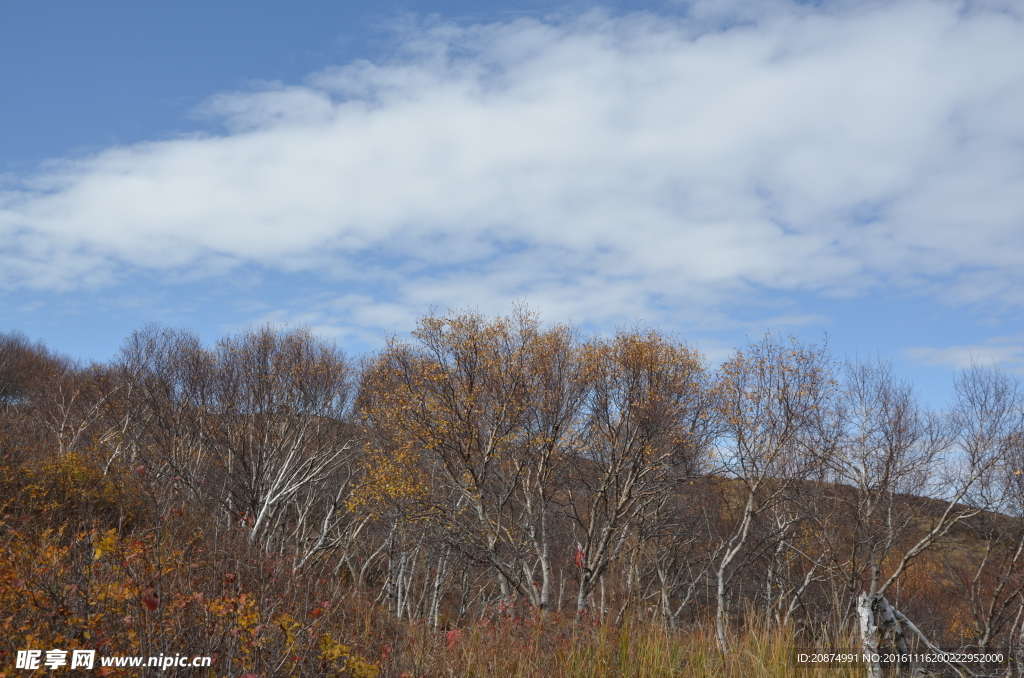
(1006, 352)
(602, 167)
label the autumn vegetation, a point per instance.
(502, 497)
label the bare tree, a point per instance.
(673, 541)
(169, 372)
(278, 426)
(890, 451)
(989, 424)
(259, 426)
(771, 398)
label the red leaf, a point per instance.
(151, 599)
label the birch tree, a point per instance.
(892, 449)
(989, 576)
(473, 419)
(279, 428)
(771, 399)
(257, 427)
(648, 411)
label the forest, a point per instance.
(497, 496)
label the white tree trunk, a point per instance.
(868, 633)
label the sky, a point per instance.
(849, 172)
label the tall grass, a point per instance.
(552, 646)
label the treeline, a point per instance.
(493, 467)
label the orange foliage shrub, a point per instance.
(145, 596)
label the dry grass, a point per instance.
(555, 647)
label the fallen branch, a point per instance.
(961, 669)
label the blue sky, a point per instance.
(713, 169)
